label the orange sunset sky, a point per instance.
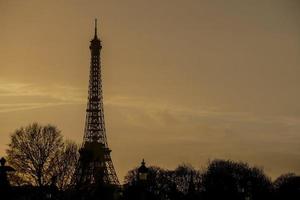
(184, 81)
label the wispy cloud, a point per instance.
(159, 110)
(156, 109)
(12, 93)
(26, 106)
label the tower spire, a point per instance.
(95, 27)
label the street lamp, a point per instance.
(143, 172)
(142, 181)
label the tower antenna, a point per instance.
(95, 27)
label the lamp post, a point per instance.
(142, 179)
(142, 172)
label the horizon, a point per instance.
(182, 82)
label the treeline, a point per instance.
(44, 164)
(222, 179)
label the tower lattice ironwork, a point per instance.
(95, 163)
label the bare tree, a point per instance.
(65, 166)
(40, 156)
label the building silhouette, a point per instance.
(95, 165)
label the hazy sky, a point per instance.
(184, 81)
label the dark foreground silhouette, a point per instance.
(221, 180)
(41, 165)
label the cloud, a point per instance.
(18, 96)
(26, 106)
(166, 112)
(209, 130)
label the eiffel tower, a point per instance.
(95, 165)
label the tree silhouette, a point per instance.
(186, 179)
(40, 156)
(154, 186)
(287, 186)
(181, 183)
(65, 165)
(235, 180)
